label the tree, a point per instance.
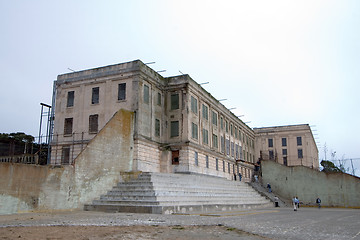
(329, 166)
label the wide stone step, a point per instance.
(169, 193)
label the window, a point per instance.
(232, 149)
(283, 142)
(196, 159)
(270, 142)
(217, 164)
(174, 101)
(205, 136)
(223, 166)
(93, 123)
(271, 155)
(226, 126)
(227, 147)
(231, 130)
(70, 99)
(299, 141)
(174, 126)
(214, 118)
(236, 151)
(215, 141)
(157, 127)
(146, 94)
(239, 135)
(222, 144)
(284, 152)
(228, 167)
(240, 151)
(207, 161)
(65, 156)
(159, 99)
(236, 133)
(68, 126)
(95, 95)
(122, 91)
(300, 153)
(194, 105)
(221, 123)
(194, 131)
(205, 112)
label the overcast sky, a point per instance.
(277, 62)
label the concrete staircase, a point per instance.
(166, 193)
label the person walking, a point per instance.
(318, 202)
(269, 187)
(294, 200)
(298, 202)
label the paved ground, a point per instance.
(271, 223)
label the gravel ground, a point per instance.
(275, 223)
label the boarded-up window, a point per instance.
(93, 123)
(70, 99)
(146, 94)
(157, 127)
(95, 95)
(174, 101)
(68, 126)
(122, 91)
(65, 156)
(174, 129)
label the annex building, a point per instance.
(292, 145)
(178, 126)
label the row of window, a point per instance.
(284, 153)
(224, 124)
(284, 142)
(95, 99)
(93, 125)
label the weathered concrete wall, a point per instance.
(334, 189)
(96, 169)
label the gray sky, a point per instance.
(277, 62)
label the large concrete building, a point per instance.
(178, 125)
(292, 145)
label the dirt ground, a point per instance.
(124, 232)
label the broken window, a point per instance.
(174, 101)
(122, 91)
(95, 95)
(68, 126)
(157, 127)
(93, 123)
(174, 129)
(70, 99)
(65, 156)
(299, 141)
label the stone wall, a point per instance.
(334, 189)
(97, 168)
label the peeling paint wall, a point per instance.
(97, 168)
(334, 189)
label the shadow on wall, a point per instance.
(334, 189)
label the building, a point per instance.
(292, 145)
(178, 126)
